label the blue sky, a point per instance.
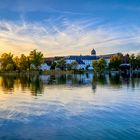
(63, 27)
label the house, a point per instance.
(47, 64)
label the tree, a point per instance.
(138, 60)
(7, 63)
(115, 62)
(53, 65)
(74, 65)
(126, 59)
(101, 65)
(95, 66)
(61, 64)
(133, 60)
(23, 62)
(36, 59)
(17, 62)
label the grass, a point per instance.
(57, 72)
(48, 72)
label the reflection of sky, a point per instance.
(69, 112)
(68, 100)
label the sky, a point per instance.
(69, 27)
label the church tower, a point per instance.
(93, 52)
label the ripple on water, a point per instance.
(71, 112)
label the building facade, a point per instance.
(84, 61)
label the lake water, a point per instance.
(69, 107)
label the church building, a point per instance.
(84, 61)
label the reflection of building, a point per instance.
(84, 61)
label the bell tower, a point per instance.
(93, 52)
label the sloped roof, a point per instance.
(80, 62)
(93, 52)
(107, 56)
(81, 57)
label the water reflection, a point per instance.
(68, 109)
(36, 84)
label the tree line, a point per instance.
(115, 62)
(9, 62)
(33, 61)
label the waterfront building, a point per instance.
(84, 61)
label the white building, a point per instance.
(85, 62)
(44, 67)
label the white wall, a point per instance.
(44, 67)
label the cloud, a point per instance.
(67, 38)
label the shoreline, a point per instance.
(48, 72)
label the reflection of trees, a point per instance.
(115, 80)
(32, 83)
(75, 79)
(36, 86)
(102, 80)
(98, 80)
(51, 80)
(94, 83)
(61, 79)
(7, 83)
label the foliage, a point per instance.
(36, 59)
(95, 65)
(24, 63)
(17, 62)
(7, 63)
(115, 62)
(61, 64)
(74, 65)
(99, 66)
(53, 65)
(21, 63)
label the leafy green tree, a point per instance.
(138, 60)
(69, 67)
(101, 66)
(95, 66)
(36, 59)
(7, 63)
(61, 64)
(115, 62)
(23, 62)
(133, 60)
(17, 62)
(74, 65)
(53, 65)
(126, 59)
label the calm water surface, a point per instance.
(69, 107)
